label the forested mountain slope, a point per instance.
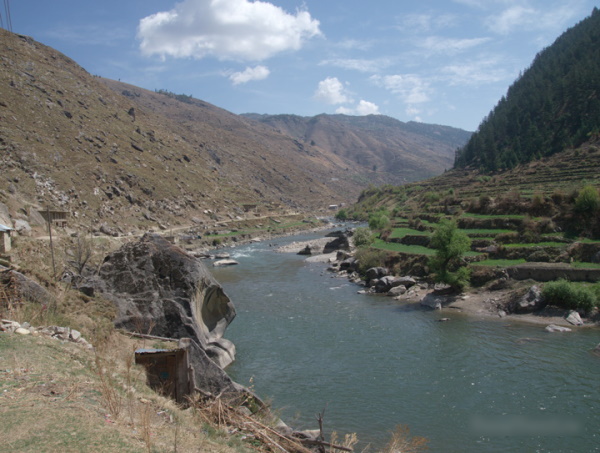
(554, 105)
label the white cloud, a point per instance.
(226, 29)
(357, 64)
(437, 44)
(477, 72)
(362, 108)
(355, 44)
(411, 88)
(249, 74)
(332, 91)
(426, 22)
(511, 18)
(547, 17)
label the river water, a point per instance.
(307, 342)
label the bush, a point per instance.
(565, 294)
(368, 258)
(379, 220)
(362, 237)
(587, 200)
(342, 214)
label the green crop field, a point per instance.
(401, 232)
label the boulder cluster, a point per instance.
(56, 332)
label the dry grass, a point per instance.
(81, 401)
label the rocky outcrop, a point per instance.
(341, 241)
(161, 290)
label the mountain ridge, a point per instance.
(381, 142)
(116, 154)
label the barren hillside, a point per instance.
(115, 154)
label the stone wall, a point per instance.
(549, 272)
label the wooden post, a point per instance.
(51, 244)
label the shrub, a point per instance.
(368, 258)
(587, 200)
(431, 197)
(362, 237)
(342, 214)
(379, 220)
(565, 294)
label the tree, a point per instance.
(447, 264)
(379, 220)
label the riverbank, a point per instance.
(480, 303)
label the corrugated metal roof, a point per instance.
(5, 228)
(154, 351)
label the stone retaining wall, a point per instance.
(548, 273)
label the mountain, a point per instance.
(112, 153)
(555, 104)
(403, 152)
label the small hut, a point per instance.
(168, 371)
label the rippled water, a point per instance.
(307, 341)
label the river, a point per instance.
(307, 342)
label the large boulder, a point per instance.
(531, 301)
(375, 273)
(159, 289)
(341, 241)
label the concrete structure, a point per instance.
(5, 240)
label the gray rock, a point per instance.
(531, 301)
(306, 251)
(384, 284)
(108, 231)
(74, 335)
(222, 256)
(22, 331)
(22, 227)
(406, 281)
(341, 242)
(159, 289)
(375, 273)
(573, 318)
(555, 328)
(28, 289)
(225, 263)
(432, 301)
(397, 291)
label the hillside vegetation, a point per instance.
(554, 105)
(525, 189)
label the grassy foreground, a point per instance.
(59, 396)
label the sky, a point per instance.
(434, 61)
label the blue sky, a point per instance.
(444, 62)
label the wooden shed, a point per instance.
(56, 218)
(168, 370)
